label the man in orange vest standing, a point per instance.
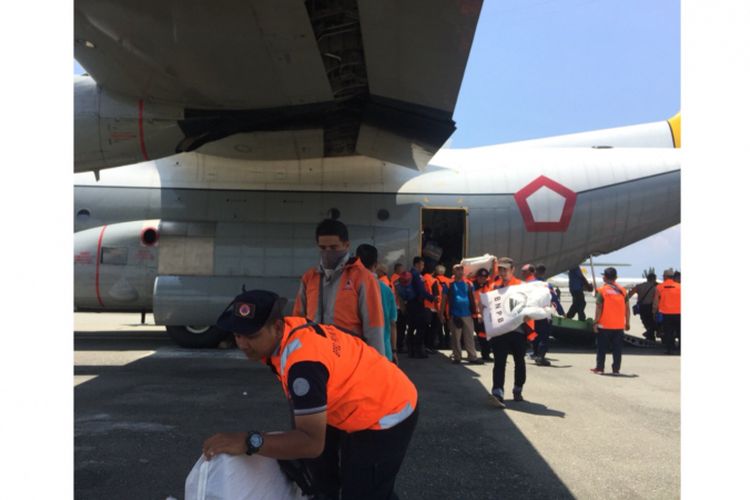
(332, 381)
(667, 308)
(340, 291)
(611, 320)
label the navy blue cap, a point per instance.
(249, 312)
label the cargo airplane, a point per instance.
(205, 158)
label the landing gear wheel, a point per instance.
(196, 336)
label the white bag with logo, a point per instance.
(504, 310)
(474, 264)
(239, 477)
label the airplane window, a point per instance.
(83, 214)
(116, 256)
(383, 214)
(334, 213)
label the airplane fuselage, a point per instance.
(221, 223)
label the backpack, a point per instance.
(405, 288)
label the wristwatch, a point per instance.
(253, 441)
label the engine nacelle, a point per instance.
(116, 266)
(113, 130)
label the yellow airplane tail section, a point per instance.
(675, 125)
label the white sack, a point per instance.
(239, 477)
(504, 309)
(473, 264)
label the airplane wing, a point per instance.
(315, 78)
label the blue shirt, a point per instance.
(576, 279)
(458, 293)
(389, 316)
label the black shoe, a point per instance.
(429, 350)
(487, 358)
(456, 361)
(517, 396)
(476, 361)
(542, 362)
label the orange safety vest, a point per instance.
(429, 280)
(443, 283)
(364, 391)
(499, 283)
(487, 287)
(354, 281)
(384, 279)
(394, 278)
(614, 306)
(478, 304)
(669, 297)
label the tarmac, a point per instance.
(143, 407)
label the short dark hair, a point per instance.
(397, 265)
(651, 277)
(368, 254)
(416, 260)
(541, 269)
(330, 227)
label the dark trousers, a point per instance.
(445, 336)
(511, 343)
(484, 344)
(670, 326)
(400, 331)
(417, 326)
(541, 342)
(433, 331)
(607, 340)
(369, 462)
(647, 318)
(578, 306)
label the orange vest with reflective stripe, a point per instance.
(365, 391)
(669, 297)
(354, 279)
(613, 307)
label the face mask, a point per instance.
(330, 258)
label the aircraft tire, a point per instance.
(196, 337)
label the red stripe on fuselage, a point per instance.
(140, 130)
(98, 262)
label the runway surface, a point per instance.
(143, 407)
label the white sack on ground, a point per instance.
(504, 309)
(473, 264)
(240, 477)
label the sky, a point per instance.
(539, 68)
